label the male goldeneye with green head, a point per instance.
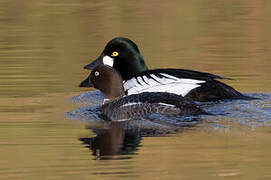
(123, 55)
(117, 107)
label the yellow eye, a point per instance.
(115, 53)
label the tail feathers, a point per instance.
(215, 90)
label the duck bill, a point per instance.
(95, 63)
(86, 83)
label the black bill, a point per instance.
(95, 63)
(86, 83)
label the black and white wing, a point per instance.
(176, 81)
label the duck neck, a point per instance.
(113, 92)
(130, 67)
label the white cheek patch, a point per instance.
(107, 60)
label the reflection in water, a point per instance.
(123, 138)
(112, 141)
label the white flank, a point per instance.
(189, 81)
(168, 83)
(130, 83)
(140, 80)
(121, 120)
(155, 77)
(165, 104)
(145, 78)
(169, 76)
(132, 103)
(108, 61)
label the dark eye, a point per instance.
(96, 73)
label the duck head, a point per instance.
(107, 80)
(123, 55)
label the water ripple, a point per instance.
(253, 113)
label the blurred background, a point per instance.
(45, 44)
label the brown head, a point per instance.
(107, 80)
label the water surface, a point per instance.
(44, 46)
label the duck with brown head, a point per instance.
(106, 80)
(118, 107)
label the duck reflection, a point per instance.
(112, 140)
(123, 138)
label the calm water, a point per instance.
(44, 46)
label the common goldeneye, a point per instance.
(123, 55)
(118, 108)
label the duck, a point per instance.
(120, 107)
(123, 55)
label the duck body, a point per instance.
(123, 55)
(139, 105)
(117, 107)
(195, 85)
